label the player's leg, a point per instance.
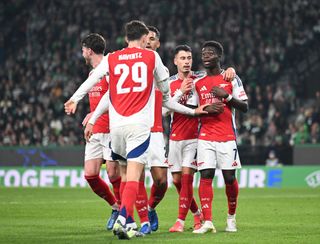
(159, 172)
(175, 164)
(112, 166)
(92, 166)
(135, 142)
(189, 167)
(186, 200)
(158, 190)
(142, 206)
(123, 175)
(113, 171)
(206, 166)
(98, 185)
(229, 162)
(232, 191)
(159, 186)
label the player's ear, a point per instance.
(158, 44)
(175, 60)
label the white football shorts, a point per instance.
(220, 155)
(182, 154)
(98, 147)
(130, 142)
(157, 151)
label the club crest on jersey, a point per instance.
(223, 85)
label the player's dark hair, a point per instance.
(155, 30)
(95, 42)
(135, 29)
(179, 48)
(216, 45)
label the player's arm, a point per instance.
(186, 86)
(101, 70)
(229, 74)
(233, 100)
(102, 107)
(172, 105)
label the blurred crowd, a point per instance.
(42, 65)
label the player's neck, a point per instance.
(95, 61)
(136, 43)
(214, 70)
(184, 75)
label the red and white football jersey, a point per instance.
(219, 127)
(131, 83)
(95, 94)
(157, 124)
(183, 127)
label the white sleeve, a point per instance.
(238, 90)
(160, 71)
(97, 74)
(102, 107)
(177, 95)
(177, 107)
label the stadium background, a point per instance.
(274, 47)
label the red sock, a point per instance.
(116, 188)
(186, 195)
(206, 197)
(193, 207)
(128, 199)
(101, 188)
(122, 186)
(157, 194)
(232, 195)
(142, 203)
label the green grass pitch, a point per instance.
(65, 215)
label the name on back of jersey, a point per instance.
(130, 56)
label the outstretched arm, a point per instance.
(101, 70)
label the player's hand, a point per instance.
(186, 85)
(229, 74)
(86, 119)
(70, 107)
(200, 110)
(88, 131)
(219, 92)
(215, 108)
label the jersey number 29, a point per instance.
(138, 75)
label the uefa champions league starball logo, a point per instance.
(313, 180)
